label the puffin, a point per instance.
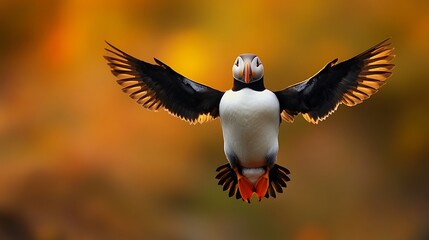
(251, 114)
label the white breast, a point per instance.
(250, 124)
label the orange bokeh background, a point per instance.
(80, 160)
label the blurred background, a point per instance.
(81, 160)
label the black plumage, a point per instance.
(349, 82)
(159, 86)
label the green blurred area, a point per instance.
(80, 160)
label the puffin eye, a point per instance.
(258, 62)
(237, 62)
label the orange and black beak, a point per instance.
(247, 72)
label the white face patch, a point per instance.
(257, 69)
(238, 69)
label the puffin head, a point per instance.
(247, 68)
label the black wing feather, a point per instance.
(349, 82)
(159, 86)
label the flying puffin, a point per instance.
(250, 114)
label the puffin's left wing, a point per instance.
(159, 86)
(349, 82)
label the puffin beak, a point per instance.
(247, 73)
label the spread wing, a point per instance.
(160, 87)
(349, 83)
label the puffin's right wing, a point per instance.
(159, 86)
(349, 82)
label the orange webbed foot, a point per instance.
(262, 185)
(245, 187)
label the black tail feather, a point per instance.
(278, 177)
(228, 180)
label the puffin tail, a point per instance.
(278, 176)
(228, 179)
